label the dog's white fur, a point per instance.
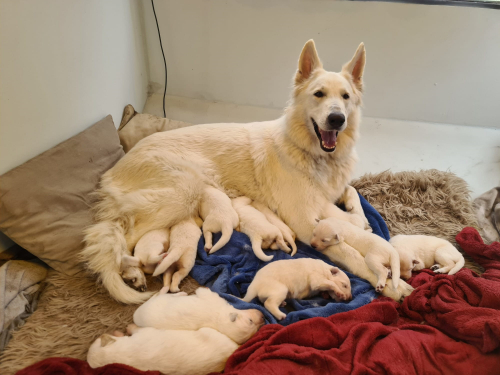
(261, 232)
(352, 204)
(288, 234)
(417, 252)
(168, 351)
(280, 163)
(218, 215)
(378, 253)
(299, 279)
(179, 260)
(203, 309)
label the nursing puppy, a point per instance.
(417, 252)
(378, 252)
(218, 215)
(261, 232)
(352, 204)
(148, 251)
(168, 351)
(299, 279)
(203, 309)
(179, 260)
(288, 234)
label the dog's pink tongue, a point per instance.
(329, 138)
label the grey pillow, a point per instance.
(45, 202)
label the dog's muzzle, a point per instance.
(327, 139)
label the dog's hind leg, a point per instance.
(374, 264)
(167, 279)
(274, 301)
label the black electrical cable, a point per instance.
(164, 61)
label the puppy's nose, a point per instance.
(314, 245)
(336, 120)
(143, 288)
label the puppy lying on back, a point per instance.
(170, 352)
(288, 234)
(203, 309)
(255, 225)
(297, 278)
(179, 261)
(378, 253)
(419, 252)
(218, 215)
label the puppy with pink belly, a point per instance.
(299, 279)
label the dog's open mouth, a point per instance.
(327, 139)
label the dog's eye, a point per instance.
(325, 240)
(345, 96)
(319, 94)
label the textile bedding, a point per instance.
(380, 337)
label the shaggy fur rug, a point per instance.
(74, 311)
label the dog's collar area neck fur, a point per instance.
(322, 142)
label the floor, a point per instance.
(472, 153)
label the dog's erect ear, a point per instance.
(415, 262)
(334, 270)
(129, 261)
(233, 316)
(308, 62)
(356, 67)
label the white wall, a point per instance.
(424, 63)
(63, 66)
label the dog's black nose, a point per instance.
(336, 120)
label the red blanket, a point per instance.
(420, 338)
(72, 366)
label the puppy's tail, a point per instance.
(251, 294)
(105, 245)
(173, 256)
(257, 249)
(395, 267)
(458, 266)
(227, 231)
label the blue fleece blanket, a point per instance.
(231, 269)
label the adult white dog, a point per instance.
(298, 165)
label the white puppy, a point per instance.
(203, 309)
(378, 253)
(288, 234)
(352, 204)
(218, 215)
(148, 251)
(179, 260)
(417, 252)
(170, 352)
(261, 232)
(299, 279)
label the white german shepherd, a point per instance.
(298, 165)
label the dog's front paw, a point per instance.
(379, 287)
(280, 316)
(435, 267)
(404, 290)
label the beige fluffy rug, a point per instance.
(74, 311)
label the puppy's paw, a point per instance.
(174, 289)
(283, 304)
(435, 267)
(132, 328)
(389, 273)
(280, 316)
(118, 333)
(106, 340)
(349, 206)
(380, 287)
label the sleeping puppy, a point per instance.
(261, 232)
(288, 234)
(297, 278)
(170, 352)
(179, 260)
(218, 215)
(378, 253)
(418, 252)
(203, 309)
(352, 204)
(148, 251)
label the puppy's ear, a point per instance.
(356, 67)
(415, 262)
(334, 270)
(129, 261)
(233, 316)
(317, 220)
(308, 62)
